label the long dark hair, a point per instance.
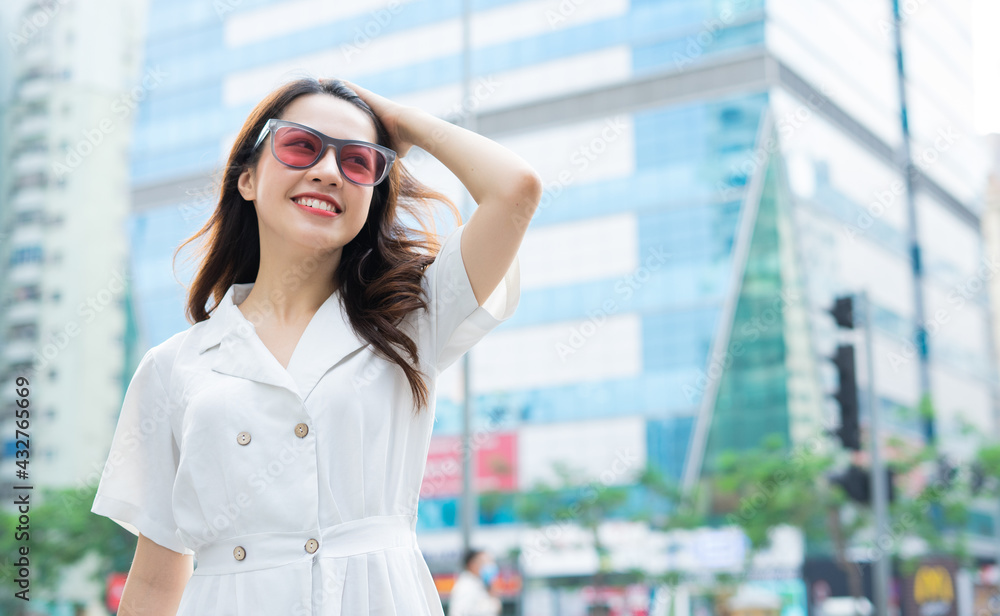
(380, 269)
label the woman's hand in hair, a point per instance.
(391, 115)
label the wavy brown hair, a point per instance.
(380, 269)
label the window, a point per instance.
(26, 254)
(25, 293)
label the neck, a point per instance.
(292, 281)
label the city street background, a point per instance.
(754, 366)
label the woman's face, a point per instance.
(274, 188)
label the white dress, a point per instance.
(296, 490)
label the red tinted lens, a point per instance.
(361, 163)
(294, 146)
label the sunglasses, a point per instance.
(301, 147)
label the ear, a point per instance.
(246, 185)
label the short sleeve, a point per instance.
(457, 321)
(138, 478)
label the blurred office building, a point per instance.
(71, 88)
(717, 173)
(991, 235)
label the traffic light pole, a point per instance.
(880, 505)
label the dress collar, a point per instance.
(326, 340)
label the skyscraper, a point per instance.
(716, 173)
(71, 88)
(64, 283)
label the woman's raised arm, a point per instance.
(506, 188)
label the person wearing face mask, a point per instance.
(472, 594)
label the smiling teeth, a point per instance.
(316, 203)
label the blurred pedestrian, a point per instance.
(474, 593)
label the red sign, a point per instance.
(443, 473)
(115, 587)
(496, 462)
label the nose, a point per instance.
(326, 169)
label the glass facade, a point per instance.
(682, 184)
(752, 400)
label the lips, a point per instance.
(318, 201)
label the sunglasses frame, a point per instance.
(274, 124)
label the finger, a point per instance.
(352, 86)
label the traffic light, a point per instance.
(843, 312)
(856, 483)
(849, 431)
(847, 396)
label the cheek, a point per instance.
(364, 207)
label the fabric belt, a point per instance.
(274, 549)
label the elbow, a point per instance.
(529, 191)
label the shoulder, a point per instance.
(178, 349)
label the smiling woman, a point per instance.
(283, 155)
(282, 441)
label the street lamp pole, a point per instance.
(467, 118)
(880, 505)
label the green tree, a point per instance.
(62, 531)
(574, 500)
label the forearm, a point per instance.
(488, 170)
(156, 580)
(142, 597)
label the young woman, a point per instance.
(281, 443)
